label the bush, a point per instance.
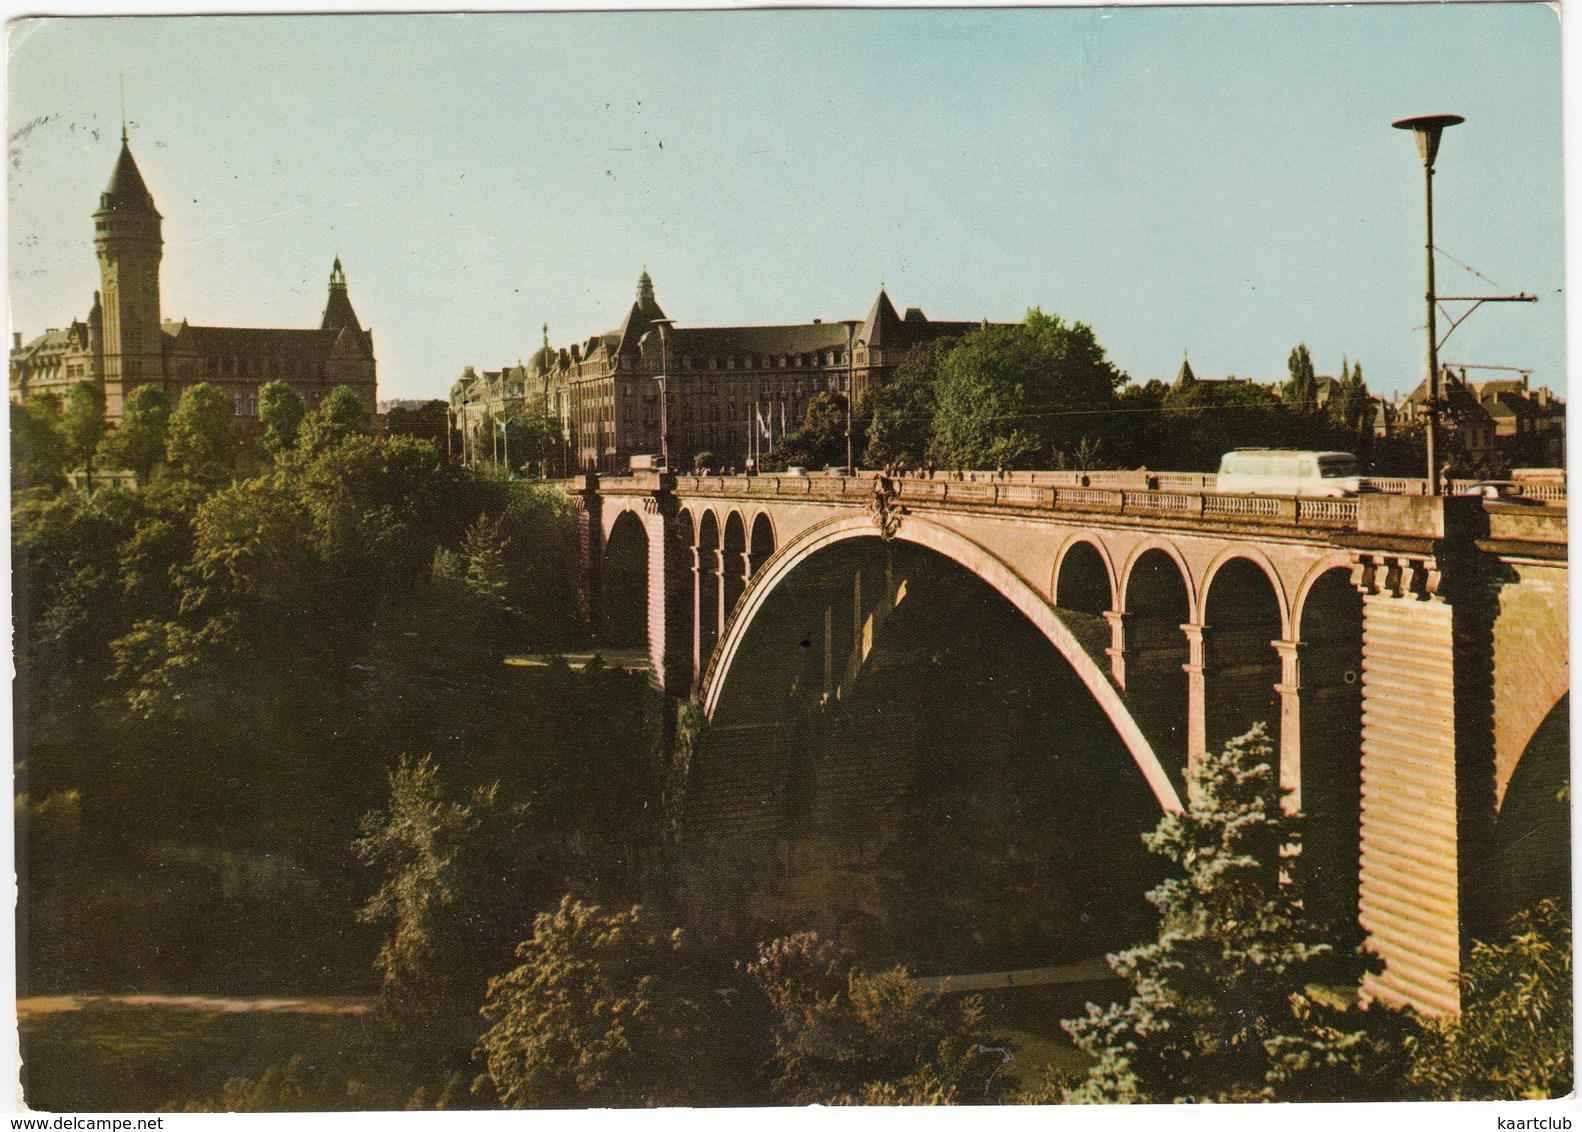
(1514, 1038)
(844, 1036)
(1235, 1000)
(603, 1011)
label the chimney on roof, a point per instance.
(16, 340)
(817, 321)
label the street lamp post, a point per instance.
(1427, 129)
(664, 404)
(851, 390)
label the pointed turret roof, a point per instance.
(882, 320)
(127, 191)
(644, 313)
(338, 312)
(1185, 376)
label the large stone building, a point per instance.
(125, 343)
(1503, 421)
(732, 390)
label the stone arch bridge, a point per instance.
(1407, 654)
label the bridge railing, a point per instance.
(1162, 494)
(1303, 511)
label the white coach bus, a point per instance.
(1286, 471)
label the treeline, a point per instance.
(217, 668)
(1043, 394)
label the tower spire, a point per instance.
(123, 107)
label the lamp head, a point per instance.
(1428, 127)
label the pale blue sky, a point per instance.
(1219, 180)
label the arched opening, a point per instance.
(763, 542)
(707, 567)
(908, 763)
(623, 595)
(1330, 656)
(1156, 605)
(680, 589)
(1082, 594)
(1532, 834)
(1241, 667)
(1083, 584)
(733, 566)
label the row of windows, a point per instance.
(767, 361)
(247, 365)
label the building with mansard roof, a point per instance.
(733, 391)
(126, 343)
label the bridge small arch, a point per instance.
(706, 570)
(1084, 578)
(1318, 571)
(1256, 557)
(1158, 547)
(733, 561)
(1243, 615)
(763, 542)
(623, 598)
(1329, 779)
(1156, 603)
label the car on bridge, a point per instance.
(1500, 491)
(1288, 471)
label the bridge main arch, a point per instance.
(978, 560)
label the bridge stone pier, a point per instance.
(1407, 654)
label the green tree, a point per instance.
(1514, 1038)
(202, 443)
(254, 559)
(68, 595)
(1203, 420)
(1235, 999)
(280, 410)
(38, 447)
(380, 509)
(820, 441)
(1136, 436)
(845, 1036)
(1015, 396)
(901, 416)
(82, 423)
(1351, 410)
(139, 444)
(1301, 391)
(428, 421)
(448, 925)
(532, 438)
(342, 414)
(603, 1010)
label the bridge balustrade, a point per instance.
(1397, 485)
(1548, 492)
